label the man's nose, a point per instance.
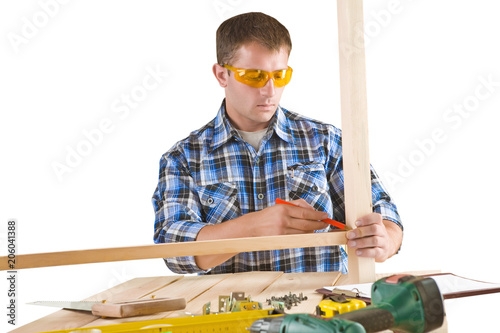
(268, 89)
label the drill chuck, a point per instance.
(267, 325)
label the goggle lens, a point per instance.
(258, 78)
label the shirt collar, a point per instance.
(224, 131)
(282, 125)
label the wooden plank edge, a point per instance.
(234, 245)
(354, 127)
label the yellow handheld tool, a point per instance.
(222, 322)
(338, 304)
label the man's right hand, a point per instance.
(283, 219)
(275, 220)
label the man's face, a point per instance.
(251, 109)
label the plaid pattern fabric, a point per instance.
(213, 176)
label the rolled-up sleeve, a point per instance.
(177, 210)
(382, 202)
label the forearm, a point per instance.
(236, 228)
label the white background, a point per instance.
(66, 67)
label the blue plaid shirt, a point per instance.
(214, 175)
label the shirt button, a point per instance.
(257, 160)
(210, 201)
(260, 196)
(314, 188)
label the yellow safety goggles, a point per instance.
(258, 78)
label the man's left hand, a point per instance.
(375, 238)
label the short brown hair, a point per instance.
(247, 28)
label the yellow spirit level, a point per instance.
(222, 322)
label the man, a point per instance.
(222, 180)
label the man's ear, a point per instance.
(221, 75)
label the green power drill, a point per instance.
(400, 302)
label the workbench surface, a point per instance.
(197, 290)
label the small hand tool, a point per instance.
(329, 221)
(122, 309)
(338, 304)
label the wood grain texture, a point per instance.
(356, 161)
(138, 307)
(199, 290)
(252, 283)
(220, 246)
(188, 287)
(68, 319)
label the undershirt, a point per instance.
(253, 138)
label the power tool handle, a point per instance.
(372, 319)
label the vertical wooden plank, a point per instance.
(356, 161)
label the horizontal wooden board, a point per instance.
(221, 246)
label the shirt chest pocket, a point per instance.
(308, 181)
(219, 202)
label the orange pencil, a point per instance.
(329, 221)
